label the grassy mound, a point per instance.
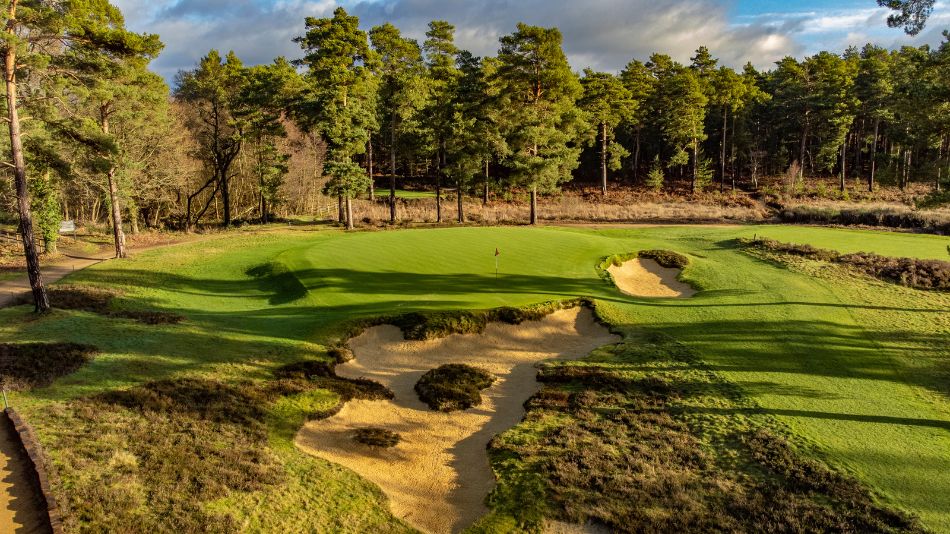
(910, 272)
(454, 386)
(26, 366)
(376, 437)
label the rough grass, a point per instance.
(453, 387)
(890, 218)
(376, 437)
(620, 443)
(910, 272)
(100, 301)
(25, 366)
(666, 258)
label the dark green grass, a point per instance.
(855, 368)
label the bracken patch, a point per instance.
(26, 366)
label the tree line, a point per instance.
(103, 138)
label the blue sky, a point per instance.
(602, 34)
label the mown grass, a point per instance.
(856, 369)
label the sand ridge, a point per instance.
(438, 476)
(647, 278)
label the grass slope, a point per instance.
(858, 368)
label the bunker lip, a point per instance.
(642, 277)
(438, 476)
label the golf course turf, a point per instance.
(856, 371)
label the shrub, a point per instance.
(322, 374)
(99, 301)
(656, 178)
(377, 437)
(26, 366)
(666, 258)
(910, 272)
(866, 217)
(453, 387)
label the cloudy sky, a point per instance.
(602, 34)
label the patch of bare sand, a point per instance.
(647, 278)
(438, 476)
(22, 509)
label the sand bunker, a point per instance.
(647, 278)
(438, 476)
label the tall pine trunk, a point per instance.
(226, 197)
(692, 184)
(349, 213)
(844, 162)
(118, 234)
(392, 176)
(534, 204)
(485, 197)
(369, 165)
(460, 202)
(438, 183)
(40, 297)
(636, 158)
(603, 158)
(877, 129)
(722, 158)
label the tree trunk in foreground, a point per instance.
(40, 297)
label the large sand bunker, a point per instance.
(647, 278)
(438, 476)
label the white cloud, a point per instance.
(602, 34)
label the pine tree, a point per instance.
(443, 78)
(540, 93)
(339, 101)
(607, 103)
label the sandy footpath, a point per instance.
(647, 278)
(22, 509)
(438, 476)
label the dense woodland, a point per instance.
(96, 137)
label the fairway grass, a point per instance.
(857, 369)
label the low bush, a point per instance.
(322, 374)
(866, 217)
(910, 272)
(665, 258)
(99, 301)
(377, 437)
(26, 366)
(453, 387)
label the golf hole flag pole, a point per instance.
(497, 253)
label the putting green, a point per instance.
(857, 367)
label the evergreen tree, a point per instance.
(340, 99)
(443, 78)
(641, 84)
(540, 93)
(215, 91)
(403, 90)
(607, 103)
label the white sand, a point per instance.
(438, 476)
(647, 278)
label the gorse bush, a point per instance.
(454, 386)
(910, 272)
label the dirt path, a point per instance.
(22, 509)
(12, 290)
(438, 476)
(647, 278)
